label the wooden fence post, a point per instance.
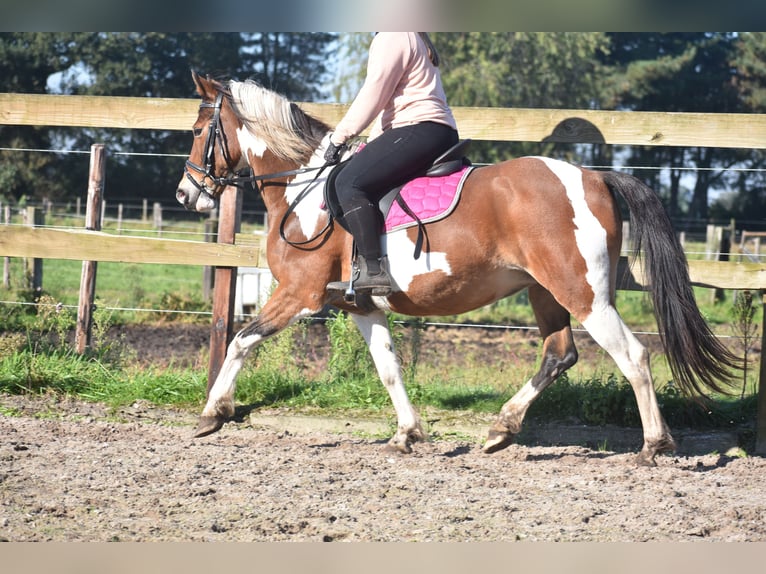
(119, 218)
(717, 248)
(96, 181)
(157, 217)
(7, 260)
(760, 422)
(224, 291)
(208, 273)
(34, 266)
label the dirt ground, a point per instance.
(74, 471)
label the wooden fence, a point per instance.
(570, 126)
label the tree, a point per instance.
(26, 62)
(750, 62)
(679, 72)
(151, 64)
(746, 198)
(523, 69)
(295, 64)
(351, 66)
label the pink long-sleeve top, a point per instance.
(402, 87)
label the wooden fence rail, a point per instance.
(84, 245)
(495, 124)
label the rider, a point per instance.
(403, 93)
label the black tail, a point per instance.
(697, 359)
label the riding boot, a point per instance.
(370, 274)
(373, 276)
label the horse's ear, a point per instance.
(202, 85)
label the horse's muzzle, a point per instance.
(194, 199)
(183, 198)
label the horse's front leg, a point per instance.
(374, 329)
(277, 313)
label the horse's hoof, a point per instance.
(208, 425)
(645, 459)
(497, 440)
(652, 449)
(399, 447)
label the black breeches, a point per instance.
(390, 160)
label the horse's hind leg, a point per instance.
(374, 329)
(559, 354)
(608, 330)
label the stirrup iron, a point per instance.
(349, 296)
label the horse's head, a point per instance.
(215, 155)
(240, 125)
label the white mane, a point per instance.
(283, 126)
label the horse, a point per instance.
(534, 223)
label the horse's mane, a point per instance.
(289, 132)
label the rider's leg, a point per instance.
(389, 160)
(364, 222)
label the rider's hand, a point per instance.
(332, 153)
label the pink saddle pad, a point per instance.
(430, 198)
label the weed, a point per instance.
(11, 343)
(745, 329)
(416, 329)
(181, 307)
(53, 320)
(349, 356)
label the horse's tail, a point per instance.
(696, 357)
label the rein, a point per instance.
(215, 131)
(300, 197)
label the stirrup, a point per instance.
(358, 269)
(349, 294)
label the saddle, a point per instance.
(450, 163)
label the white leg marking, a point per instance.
(374, 329)
(222, 393)
(221, 398)
(521, 401)
(608, 330)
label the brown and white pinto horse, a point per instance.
(529, 223)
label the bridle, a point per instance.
(215, 132)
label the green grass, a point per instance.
(128, 286)
(37, 364)
(100, 379)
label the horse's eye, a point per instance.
(197, 132)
